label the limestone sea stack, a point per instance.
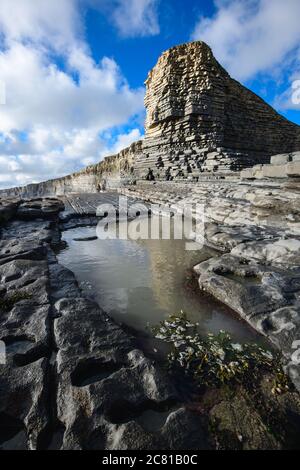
(200, 124)
(201, 120)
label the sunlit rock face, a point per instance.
(112, 172)
(200, 120)
(200, 124)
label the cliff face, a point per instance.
(112, 172)
(200, 120)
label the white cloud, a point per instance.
(123, 141)
(55, 22)
(251, 36)
(136, 17)
(70, 153)
(38, 93)
(53, 116)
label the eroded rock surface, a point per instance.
(257, 229)
(73, 378)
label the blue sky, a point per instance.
(73, 70)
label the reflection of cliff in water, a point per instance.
(169, 263)
(142, 282)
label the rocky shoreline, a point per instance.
(74, 379)
(69, 366)
(255, 227)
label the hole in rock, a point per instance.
(17, 344)
(9, 427)
(246, 280)
(57, 437)
(33, 355)
(150, 415)
(96, 440)
(28, 283)
(92, 371)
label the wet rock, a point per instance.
(104, 393)
(238, 426)
(28, 278)
(268, 297)
(225, 238)
(25, 332)
(183, 430)
(101, 379)
(248, 289)
(39, 209)
(83, 327)
(284, 252)
(23, 403)
(63, 282)
(281, 413)
(29, 231)
(132, 436)
(8, 209)
(187, 430)
(14, 249)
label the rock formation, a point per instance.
(74, 378)
(281, 166)
(201, 120)
(200, 123)
(256, 229)
(112, 172)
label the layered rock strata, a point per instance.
(285, 165)
(112, 172)
(200, 123)
(200, 120)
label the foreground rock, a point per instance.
(258, 230)
(73, 378)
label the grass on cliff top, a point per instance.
(216, 360)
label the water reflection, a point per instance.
(142, 282)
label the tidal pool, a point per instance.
(139, 283)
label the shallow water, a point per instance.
(140, 283)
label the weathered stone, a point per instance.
(26, 333)
(186, 430)
(281, 159)
(39, 209)
(8, 208)
(23, 403)
(248, 173)
(248, 289)
(200, 123)
(281, 252)
(238, 426)
(293, 169)
(28, 278)
(192, 103)
(11, 250)
(296, 156)
(274, 171)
